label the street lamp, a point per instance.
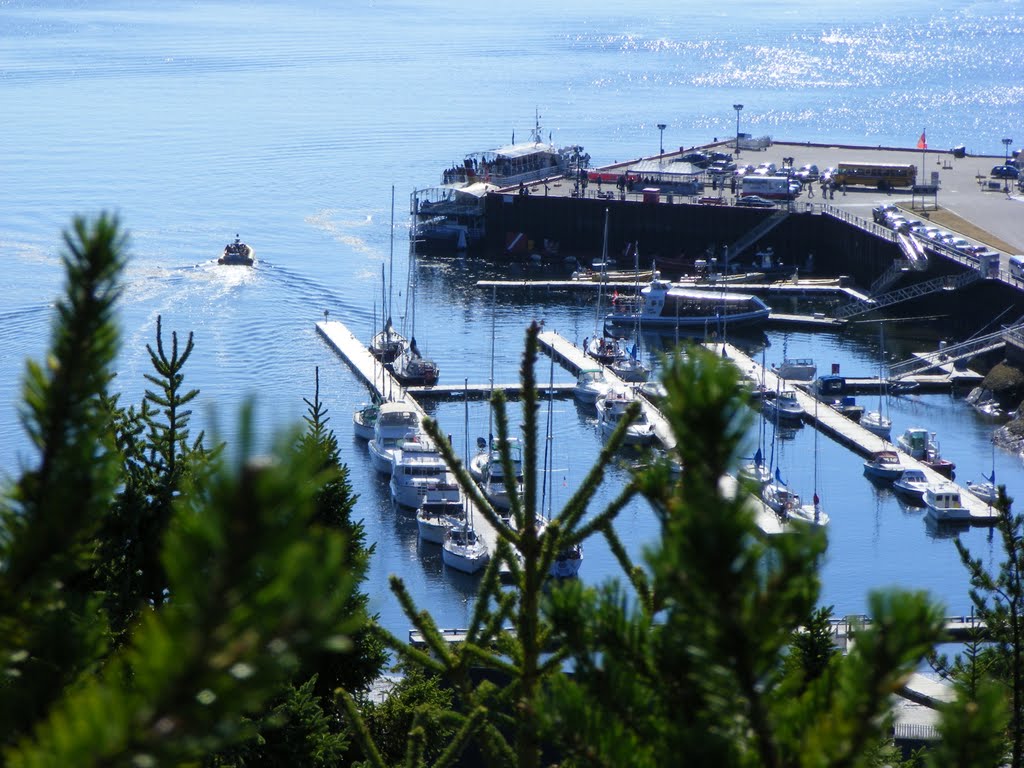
(661, 139)
(738, 108)
(1006, 152)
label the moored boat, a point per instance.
(590, 384)
(486, 467)
(238, 253)
(364, 420)
(782, 406)
(435, 517)
(463, 549)
(611, 410)
(884, 465)
(922, 445)
(912, 483)
(394, 423)
(798, 368)
(944, 503)
(663, 305)
(418, 470)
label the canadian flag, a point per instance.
(922, 143)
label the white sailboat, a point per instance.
(387, 344)
(877, 422)
(568, 560)
(463, 548)
(412, 368)
(987, 491)
(812, 513)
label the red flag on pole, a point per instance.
(922, 143)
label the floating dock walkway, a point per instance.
(387, 387)
(838, 427)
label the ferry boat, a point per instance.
(663, 305)
(451, 214)
(238, 253)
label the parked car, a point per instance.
(1005, 172)
(766, 169)
(959, 243)
(898, 224)
(696, 158)
(743, 170)
(807, 173)
(754, 201)
(880, 213)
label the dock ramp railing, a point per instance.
(751, 237)
(956, 352)
(951, 283)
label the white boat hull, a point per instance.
(465, 559)
(380, 458)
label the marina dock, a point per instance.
(847, 432)
(380, 381)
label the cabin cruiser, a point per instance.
(238, 253)
(436, 516)
(611, 409)
(782, 406)
(832, 391)
(590, 384)
(394, 423)
(884, 465)
(364, 419)
(418, 470)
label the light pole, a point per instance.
(661, 139)
(738, 108)
(1006, 160)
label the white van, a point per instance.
(1017, 267)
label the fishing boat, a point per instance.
(436, 516)
(884, 465)
(660, 304)
(394, 423)
(922, 445)
(912, 483)
(238, 254)
(782, 406)
(463, 549)
(611, 410)
(944, 503)
(590, 384)
(418, 470)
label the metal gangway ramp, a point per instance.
(953, 283)
(950, 355)
(751, 237)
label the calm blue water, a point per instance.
(289, 124)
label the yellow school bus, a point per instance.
(880, 175)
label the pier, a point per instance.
(380, 381)
(834, 425)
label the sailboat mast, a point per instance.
(391, 256)
(604, 267)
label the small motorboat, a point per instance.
(912, 483)
(798, 368)
(590, 385)
(364, 419)
(237, 253)
(884, 465)
(437, 516)
(923, 446)
(611, 409)
(784, 407)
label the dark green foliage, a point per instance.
(51, 628)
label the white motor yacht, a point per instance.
(783, 407)
(394, 423)
(944, 503)
(912, 483)
(418, 469)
